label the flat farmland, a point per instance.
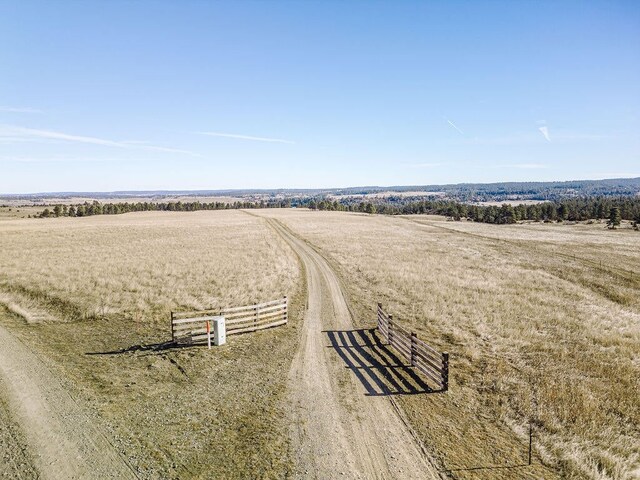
(542, 323)
(77, 292)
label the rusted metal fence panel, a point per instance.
(420, 355)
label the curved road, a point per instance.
(337, 430)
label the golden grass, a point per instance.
(145, 264)
(533, 335)
(15, 212)
(109, 283)
(533, 332)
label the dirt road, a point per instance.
(62, 441)
(339, 431)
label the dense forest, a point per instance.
(500, 191)
(573, 209)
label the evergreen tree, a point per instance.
(614, 217)
(563, 212)
(507, 214)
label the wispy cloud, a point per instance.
(134, 142)
(453, 125)
(4, 108)
(424, 165)
(13, 133)
(545, 132)
(528, 166)
(59, 159)
(164, 149)
(532, 137)
(245, 137)
(30, 133)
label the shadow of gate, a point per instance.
(376, 366)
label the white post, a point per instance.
(219, 331)
(209, 334)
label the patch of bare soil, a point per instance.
(15, 459)
(59, 436)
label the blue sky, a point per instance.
(100, 96)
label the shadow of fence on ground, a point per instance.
(491, 467)
(153, 347)
(376, 366)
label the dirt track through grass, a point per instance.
(531, 336)
(337, 430)
(63, 441)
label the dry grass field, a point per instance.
(542, 323)
(15, 212)
(77, 291)
(533, 333)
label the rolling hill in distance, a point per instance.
(473, 192)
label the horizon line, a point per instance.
(295, 189)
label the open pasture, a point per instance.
(541, 322)
(532, 335)
(84, 294)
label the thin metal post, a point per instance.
(445, 371)
(413, 349)
(530, 439)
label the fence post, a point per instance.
(378, 321)
(530, 439)
(413, 349)
(445, 371)
(173, 339)
(255, 318)
(390, 329)
(286, 309)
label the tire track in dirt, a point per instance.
(62, 440)
(337, 431)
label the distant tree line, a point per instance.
(613, 209)
(573, 209)
(505, 191)
(96, 208)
